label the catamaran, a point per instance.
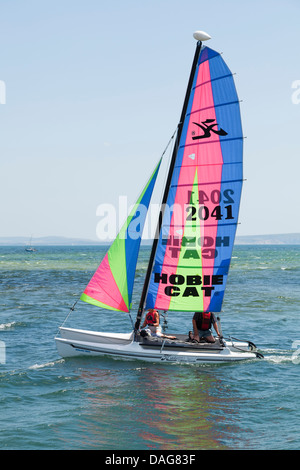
(191, 251)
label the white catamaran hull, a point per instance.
(73, 342)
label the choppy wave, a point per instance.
(280, 356)
(6, 326)
(279, 359)
(46, 364)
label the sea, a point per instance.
(50, 403)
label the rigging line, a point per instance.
(169, 157)
(162, 346)
(132, 324)
(71, 310)
(173, 150)
(172, 137)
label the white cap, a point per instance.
(201, 36)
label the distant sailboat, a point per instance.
(30, 248)
(190, 256)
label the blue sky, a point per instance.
(94, 91)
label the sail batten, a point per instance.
(212, 142)
(216, 106)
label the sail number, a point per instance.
(203, 213)
(215, 197)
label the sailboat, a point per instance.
(30, 248)
(191, 252)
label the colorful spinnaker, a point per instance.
(196, 239)
(112, 284)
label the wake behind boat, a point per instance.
(191, 252)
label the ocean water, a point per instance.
(106, 404)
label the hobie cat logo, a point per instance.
(2, 92)
(207, 128)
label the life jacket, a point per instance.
(150, 317)
(205, 321)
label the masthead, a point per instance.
(201, 36)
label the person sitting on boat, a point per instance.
(152, 323)
(202, 323)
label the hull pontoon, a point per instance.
(74, 342)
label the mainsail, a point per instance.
(195, 243)
(112, 284)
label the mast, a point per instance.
(199, 36)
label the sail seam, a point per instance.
(205, 183)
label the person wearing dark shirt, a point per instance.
(202, 323)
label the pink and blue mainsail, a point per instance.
(189, 263)
(195, 244)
